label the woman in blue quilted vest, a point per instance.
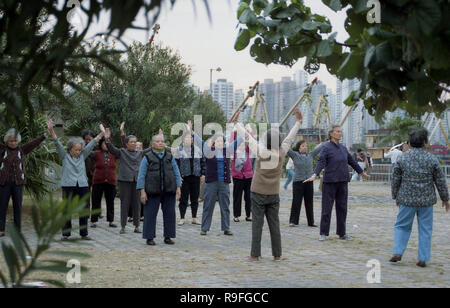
(218, 179)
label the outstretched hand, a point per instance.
(122, 126)
(312, 178)
(107, 134)
(50, 129)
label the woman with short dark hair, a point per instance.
(415, 175)
(12, 174)
(303, 167)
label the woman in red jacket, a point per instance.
(104, 181)
(242, 172)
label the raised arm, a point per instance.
(59, 147)
(285, 146)
(111, 148)
(123, 137)
(291, 153)
(30, 146)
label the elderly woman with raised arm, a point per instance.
(74, 181)
(12, 174)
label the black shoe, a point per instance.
(151, 242)
(130, 219)
(395, 258)
(168, 241)
(112, 225)
(421, 264)
(100, 217)
(312, 226)
(203, 233)
(228, 233)
(86, 238)
(137, 230)
(93, 226)
(248, 219)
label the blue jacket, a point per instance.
(335, 158)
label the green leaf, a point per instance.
(291, 28)
(369, 54)
(420, 92)
(287, 12)
(242, 40)
(12, 261)
(352, 66)
(248, 17)
(335, 5)
(310, 25)
(325, 47)
(242, 7)
(16, 240)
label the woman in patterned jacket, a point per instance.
(415, 175)
(12, 175)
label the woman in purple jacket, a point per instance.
(242, 173)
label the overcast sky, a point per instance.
(203, 44)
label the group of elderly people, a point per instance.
(158, 176)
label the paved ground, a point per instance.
(220, 261)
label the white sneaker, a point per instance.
(181, 222)
(194, 221)
(322, 238)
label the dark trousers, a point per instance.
(302, 191)
(130, 212)
(72, 192)
(151, 209)
(268, 206)
(332, 192)
(97, 194)
(129, 198)
(7, 191)
(190, 187)
(242, 187)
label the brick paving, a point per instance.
(217, 260)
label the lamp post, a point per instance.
(210, 78)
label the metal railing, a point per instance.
(383, 172)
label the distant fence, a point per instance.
(383, 172)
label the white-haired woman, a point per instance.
(12, 174)
(74, 181)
